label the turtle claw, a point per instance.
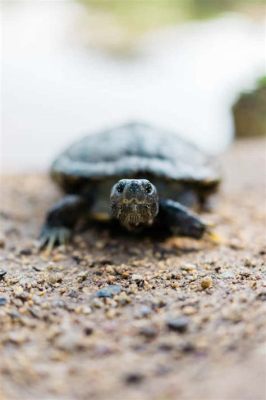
(53, 236)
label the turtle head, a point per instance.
(134, 202)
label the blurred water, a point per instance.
(55, 90)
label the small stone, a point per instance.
(55, 278)
(134, 378)
(123, 299)
(206, 282)
(109, 269)
(18, 291)
(111, 314)
(227, 275)
(174, 285)
(88, 330)
(261, 296)
(96, 303)
(2, 242)
(58, 257)
(109, 291)
(149, 332)
(189, 310)
(189, 267)
(82, 276)
(3, 301)
(137, 277)
(143, 311)
(188, 347)
(25, 252)
(2, 274)
(70, 342)
(17, 337)
(179, 324)
(111, 279)
(248, 262)
(236, 244)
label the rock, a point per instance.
(88, 330)
(189, 267)
(206, 282)
(25, 252)
(17, 337)
(261, 296)
(134, 378)
(143, 311)
(149, 332)
(2, 274)
(2, 242)
(54, 278)
(138, 279)
(3, 301)
(70, 341)
(179, 324)
(109, 291)
(227, 275)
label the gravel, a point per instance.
(113, 316)
(179, 324)
(109, 291)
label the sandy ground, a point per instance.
(185, 320)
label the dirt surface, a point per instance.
(184, 320)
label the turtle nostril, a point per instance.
(148, 188)
(120, 187)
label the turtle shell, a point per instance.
(133, 150)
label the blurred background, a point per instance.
(70, 68)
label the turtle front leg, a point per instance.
(61, 220)
(179, 220)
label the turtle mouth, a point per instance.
(133, 214)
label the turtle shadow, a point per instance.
(136, 243)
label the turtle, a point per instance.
(135, 174)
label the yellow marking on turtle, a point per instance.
(101, 216)
(216, 238)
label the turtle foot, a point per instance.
(53, 236)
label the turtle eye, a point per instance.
(148, 188)
(120, 187)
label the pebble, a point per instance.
(143, 311)
(261, 296)
(55, 278)
(25, 252)
(88, 330)
(206, 282)
(70, 341)
(17, 337)
(2, 274)
(179, 324)
(123, 299)
(138, 279)
(188, 347)
(109, 291)
(96, 303)
(82, 276)
(149, 332)
(2, 242)
(227, 275)
(189, 267)
(189, 310)
(3, 301)
(134, 378)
